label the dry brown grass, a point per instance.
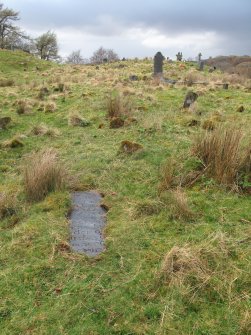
(43, 130)
(50, 107)
(23, 106)
(192, 77)
(118, 106)
(6, 82)
(245, 324)
(43, 173)
(14, 142)
(167, 176)
(222, 153)
(179, 205)
(180, 263)
(8, 204)
(204, 265)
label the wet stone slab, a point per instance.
(87, 223)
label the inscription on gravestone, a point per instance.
(158, 64)
(87, 222)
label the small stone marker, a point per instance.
(190, 98)
(225, 86)
(87, 222)
(158, 64)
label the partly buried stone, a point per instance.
(87, 223)
(193, 123)
(133, 77)
(4, 121)
(130, 147)
(190, 98)
(116, 122)
(240, 109)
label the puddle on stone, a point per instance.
(87, 223)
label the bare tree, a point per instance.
(46, 46)
(103, 55)
(10, 35)
(75, 58)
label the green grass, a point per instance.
(45, 288)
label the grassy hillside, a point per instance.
(177, 257)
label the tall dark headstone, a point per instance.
(201, 65)
(158, 64)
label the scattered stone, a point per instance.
(43, 92)
(239, 110)
(193, 123)
(87, 222)
(4, 121)
(133, 77)
(190, 98)
(59, 88)
(158, 64)
(116, 122)
(76, 120)
(130, 147)
(169, 81)
(212, 69)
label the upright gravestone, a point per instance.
(190, 98)
(201, 65)
(158, 64)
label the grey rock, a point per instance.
(87, 223)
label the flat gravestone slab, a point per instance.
(87, 222)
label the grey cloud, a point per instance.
(228, 18)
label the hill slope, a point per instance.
(177, 257)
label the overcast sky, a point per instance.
(139, 28)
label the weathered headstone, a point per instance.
(87, 222)
(201, 66)
(225, 86)
(158, 64)
(190, 98)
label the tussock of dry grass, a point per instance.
(43, 173)
(199, 266)
(179, 205)
(50, 107)
(7, 204)
(6, 82)
(14, 142)
(42, 130)
(222, 153)
(118, 106)
(183, 262)
(167, 176)
(23, 106)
